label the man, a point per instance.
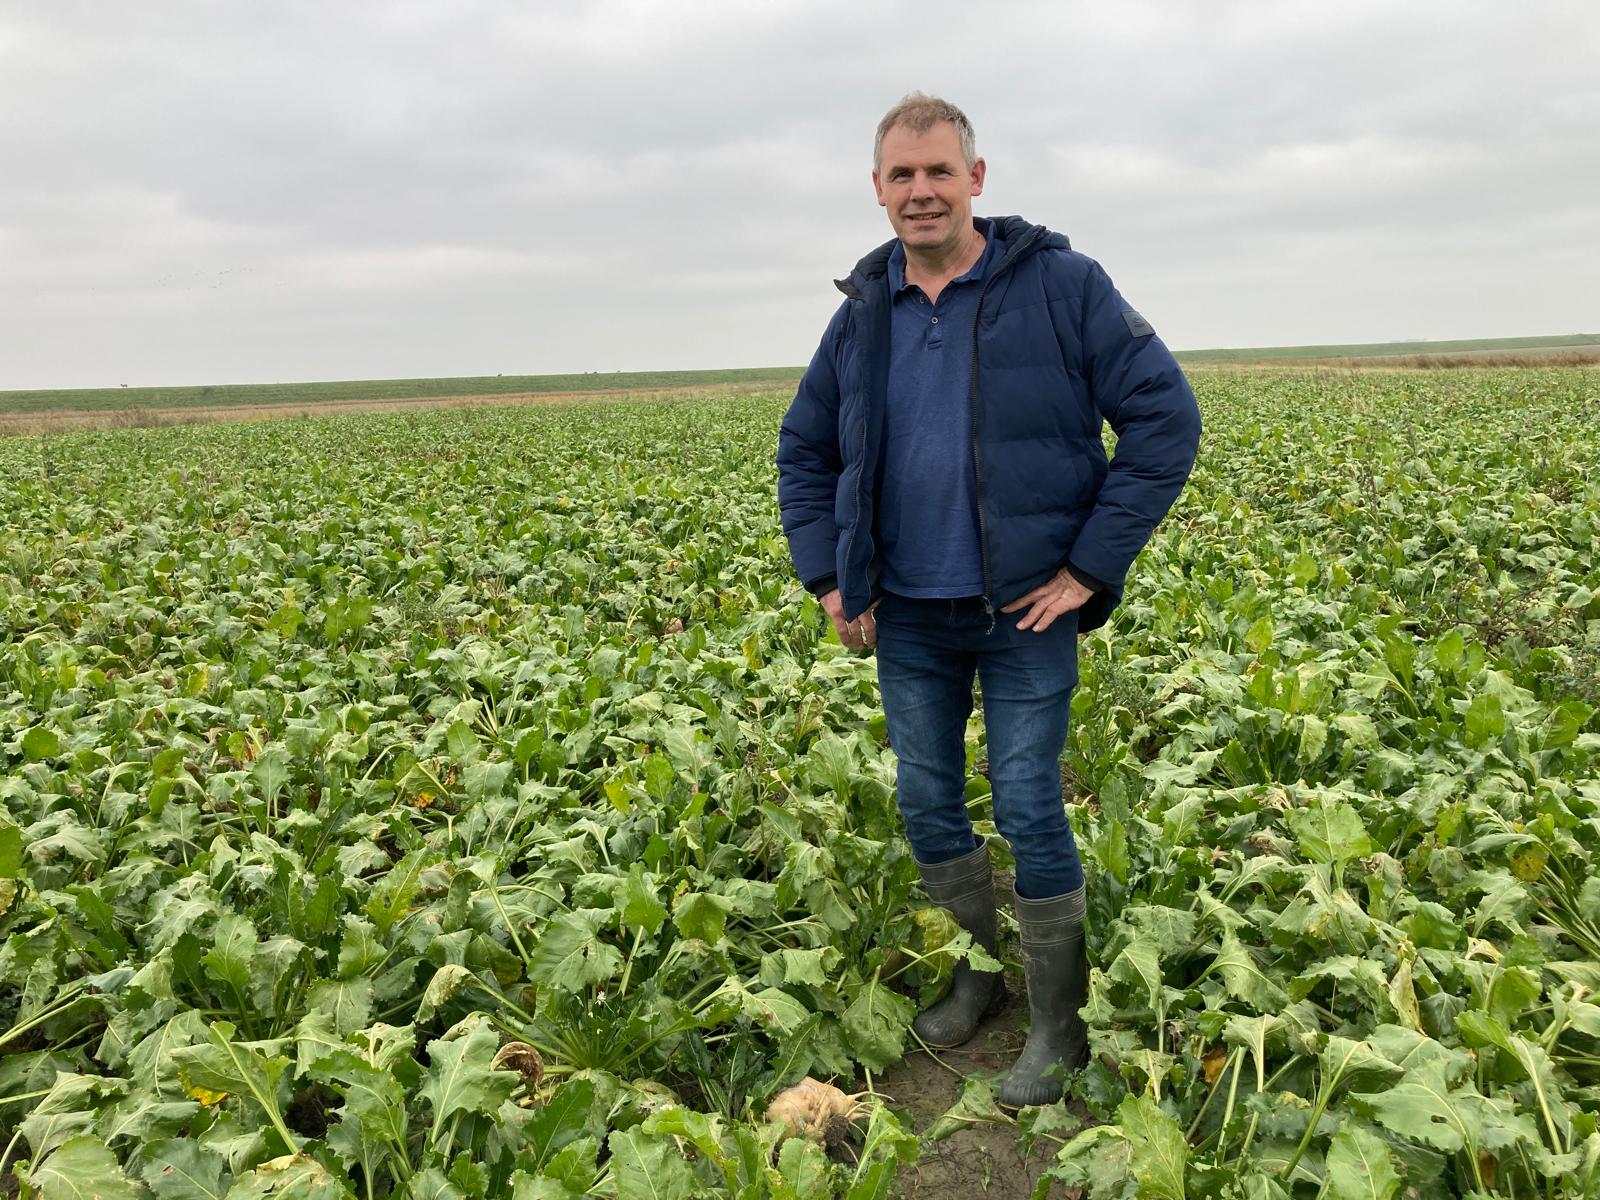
(947, 498)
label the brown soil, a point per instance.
(68, 420)
(981, 1162)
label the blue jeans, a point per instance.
(928, 652)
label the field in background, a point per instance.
(25, 412)
(1527, 351)
(264, 395)
(342, 761)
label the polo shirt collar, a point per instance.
(897, 259)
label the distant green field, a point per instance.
(256, 394)
(1568, 341)
(356, 390)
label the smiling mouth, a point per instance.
(923, 218)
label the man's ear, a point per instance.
(979, 169)
(877, 186)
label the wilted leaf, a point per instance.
(876, 1024)
(975, 1106)
(295, 1176)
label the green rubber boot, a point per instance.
(1056, 961)
(965, 886)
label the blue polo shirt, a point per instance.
(927, 519)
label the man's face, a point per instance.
(927, 187)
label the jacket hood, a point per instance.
(1013, 231)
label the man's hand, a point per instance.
(860, 634)
(1049, 600)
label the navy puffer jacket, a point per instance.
(1056, 351)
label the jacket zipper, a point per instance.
(972, 404)
(850, 541)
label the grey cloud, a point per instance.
(203, 192)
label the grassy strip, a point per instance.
(68, 420)
(1568, 341)
(1527, 351)
(267, 394)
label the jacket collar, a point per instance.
(1021, 238)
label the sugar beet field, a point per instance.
(468, 804)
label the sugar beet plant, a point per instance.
(468, 804)
(329, 777)
(1343, 748)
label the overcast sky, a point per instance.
(241, 192)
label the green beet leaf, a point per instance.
(180, 1168)
(82, 1168)
(1160, 1154)
(233, 946)
(876, 1024)
(1359, 1167)
(649, 1168)
(10, 852)
(68, 1110)
(570, 955)
(255, 1071)
(347, 1001)
(702, 915)
(1244, 977)
(372, 1127)
(392, 895)
(1485, 719)
(142, 1117)
(40, 743)
(575, 1165)
(641, 903)
(1425, 1107)
(431, 1183)
(460, 1077)
(540, 1187)
(560, 1121)
(802, 1171)
(771, 1008)
(1140, 964)
(1330, 831)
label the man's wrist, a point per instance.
(1084, 578)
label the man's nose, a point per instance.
(921, 185)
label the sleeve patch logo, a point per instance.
(1137, 325)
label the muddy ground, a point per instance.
(982, 1161)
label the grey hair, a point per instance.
(919, 113)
